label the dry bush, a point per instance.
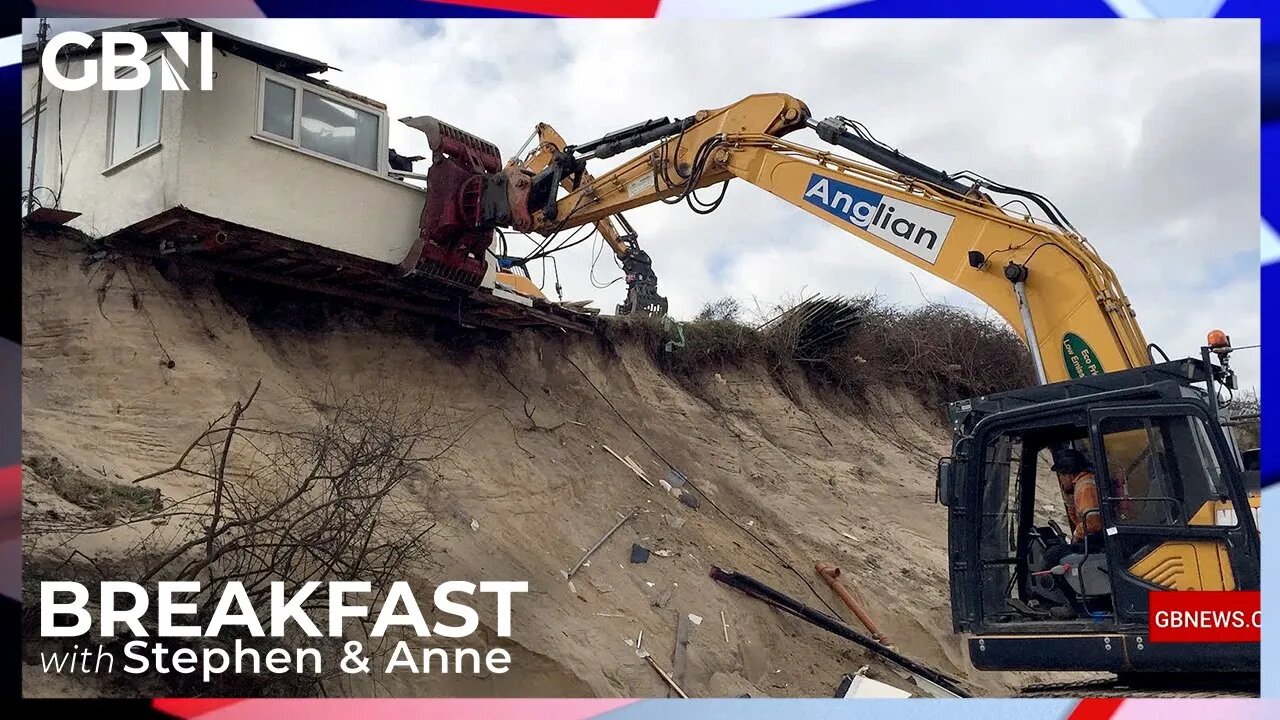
(1245, 415)
(726, 308)
(313, 503)
(939, 352)
(689, 349)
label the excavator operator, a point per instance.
(1080, 493)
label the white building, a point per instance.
(271, 156)
(268, 137)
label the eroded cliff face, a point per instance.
(124, 366)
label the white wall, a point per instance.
(209, 161)
(229, 173)
(74, 164)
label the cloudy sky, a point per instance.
(1145, 133)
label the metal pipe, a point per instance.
(1020, 289)
(1228, 433)
(831, 574)
(774, 598)
(1212, 389)
(667, 678)
(42, 38)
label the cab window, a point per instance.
(1164, 472)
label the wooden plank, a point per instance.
(635, 468)
(624, 462)
(678, 656)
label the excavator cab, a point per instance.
(1176, 512)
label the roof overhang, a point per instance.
(266, 56)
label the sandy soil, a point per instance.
(123, 367)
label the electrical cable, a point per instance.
(664, 157)
(707, 208)
(563, 246)
(503, 237)
(591, 274)
(546, 251)
(703, 495)
(691, 181)
(62, 170)
(555, 266)
(547, 241)
(1021, 202)
(569, 240)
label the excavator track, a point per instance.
(1163, 686)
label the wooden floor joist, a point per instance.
(185, 237)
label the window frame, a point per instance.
(971, 504)
(112, 163)
(299, 86)
(1164, 413)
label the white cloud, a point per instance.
(1145, 133)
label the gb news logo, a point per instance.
(124, 64)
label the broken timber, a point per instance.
(630, 466)
(666, 678)
(189, 238)
(601, 541)
(680, 654)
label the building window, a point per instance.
(277, 109)
(135, 118)
(41, 194)
(320, 123)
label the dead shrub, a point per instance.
(726, 308)
(1244, 412)
(106, 501)
(939, 352)
(318, 502)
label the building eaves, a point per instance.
(264, 55)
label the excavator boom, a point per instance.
(1044, 279)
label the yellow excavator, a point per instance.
(1178, 502)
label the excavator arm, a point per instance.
(1040, 275)
(551, 144)
(637, 266)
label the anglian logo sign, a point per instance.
(1079, 357)
(123, 65)
(918, 230)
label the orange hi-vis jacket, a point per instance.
(1082, 503)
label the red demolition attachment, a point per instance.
(452, 237)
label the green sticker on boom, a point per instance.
(1079, 358)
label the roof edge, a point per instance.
(274, 58)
